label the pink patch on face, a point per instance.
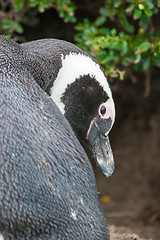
(105, 112)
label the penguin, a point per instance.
(47, 185)
(78, 85)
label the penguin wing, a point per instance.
(47, 184)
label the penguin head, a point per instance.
(83, 95)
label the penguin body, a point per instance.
(47, 185)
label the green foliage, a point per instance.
(18, 9)
(65, 8)
(124, 35)
(133, 42)
(11, 26)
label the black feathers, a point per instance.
(82, 99)
(47, 185)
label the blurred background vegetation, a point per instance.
(124, 36)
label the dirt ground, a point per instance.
(132, 203)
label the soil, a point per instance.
(132, 208)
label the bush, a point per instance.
(133, 41)
(18, 12)
(124, 37)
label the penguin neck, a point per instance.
(73, 67)
(42, 61)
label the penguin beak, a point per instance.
(99, 141)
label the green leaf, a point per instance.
(11, 26)
(103, 11)
(8, 36)
(113, 32)
(18, 28)
(6, 23)
(148, 12)
(146, 64)
(137, 14)
(144, 21)
(122, 34)
(127, 26)
(32, 3)
(79, 27)
(145, 46)
(18, 4)
(140, 6)
(124, 47)
(42, 5)
(125, 23)
(117, 3)
(100, 21)
(127, 61)
(155, 10)
(137, 59)
(150, 4)
(130, 8)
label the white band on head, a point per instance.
(73, 66)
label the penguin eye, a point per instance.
(102, 110)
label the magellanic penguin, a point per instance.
(47, 185)
(77, 84)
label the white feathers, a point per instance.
(1, 237)
(73, 66)
(73, 214)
